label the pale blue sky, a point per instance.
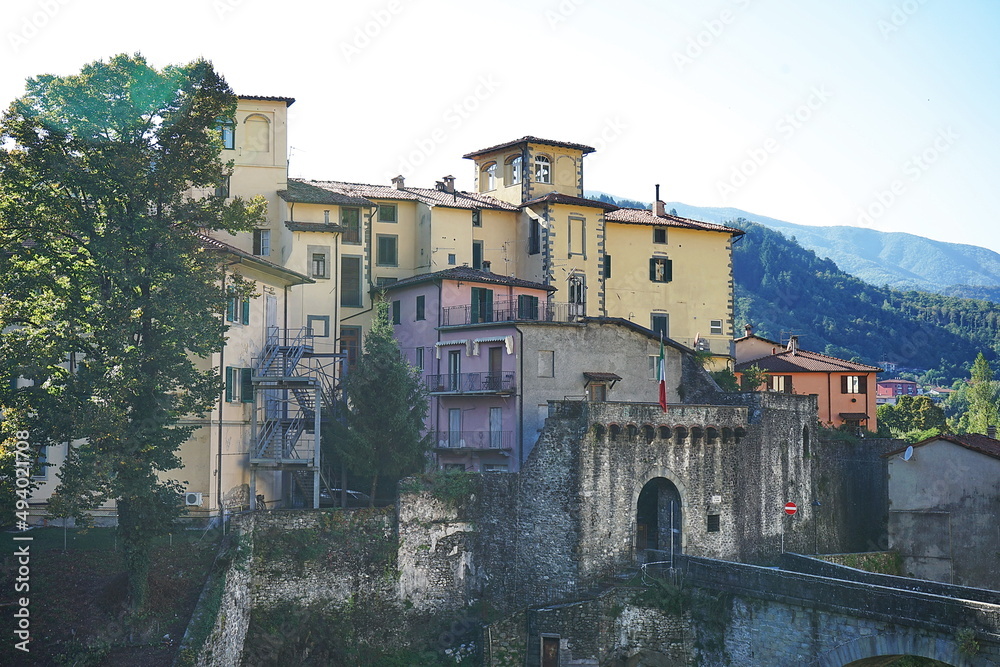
(812, 112)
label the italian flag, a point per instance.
(661, 368)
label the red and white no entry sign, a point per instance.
(790, 508)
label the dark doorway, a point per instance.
(658, 521)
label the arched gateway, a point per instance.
(658, 521)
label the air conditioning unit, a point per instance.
(192, 499)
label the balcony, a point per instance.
(451, 440)
(496, 382)
(511, 310)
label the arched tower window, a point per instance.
(488, 177)
(543, 169)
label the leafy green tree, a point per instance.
(386, 407)
(912, 414)
(983, 393)
(107, 295)
(752, 378)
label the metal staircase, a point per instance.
(290, 380)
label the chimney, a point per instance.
(793, 344)
(749, 329)
(658, 209)
(398, 182)
(486, 265)
(991, 432)
(449, 184)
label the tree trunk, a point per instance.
(136, 551)
(371, 496)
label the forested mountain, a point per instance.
(782, 287)
(899, 260)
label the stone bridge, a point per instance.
(811, 612)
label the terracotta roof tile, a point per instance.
(469, 274)
(560, 198)
(289, 101)
(431, 196)
(804, 361)
(530, 140)
(974, 441)
(640, 216)
(302, 192)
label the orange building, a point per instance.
(846, 389)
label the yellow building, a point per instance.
(661, 271)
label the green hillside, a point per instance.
(899, 260)
(782, 287)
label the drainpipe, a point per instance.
(520, 399)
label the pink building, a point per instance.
(458, 326)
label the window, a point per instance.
(318, 265)
(713, 523)
(454, 370)
(597, 392)
(488, 177)
(527, 307)
(262, 242)
(495, 467)
(223, 190)
(386, 253)
(350, 344)
(854, 384)
(477, 218)
(661, 270)
(607, 266)
(660, 324)
(350, 220)
(350, 281)
(654, 368)
(326, 217)
(396, 309)
(239, 387)
(227, 131)
(482, 305)
(477, 255)
(451, 259)
(715, 327)
(455, 427)
(420, 307)
(384, 281)
(577, 242)
(534, 237)
(237, 309)
(543, 169)
(319, 325)
(781, 384)
(514, 170)
(546, 363)
(387, 213)
(418, 358)
(659, 234)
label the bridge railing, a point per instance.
(850, 598)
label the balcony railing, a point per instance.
(474, 439)
(511, 310)
(497, 382)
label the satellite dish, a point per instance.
(908, 454)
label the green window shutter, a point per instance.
(245, 312)
(230, 385)
(488, 306)
(863, 384)
(669, 272)
(843, 384)
(231, 309)
(607, 266)
(474, 313)
(246, 386)
(652, 269)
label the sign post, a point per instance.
(790, 510)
